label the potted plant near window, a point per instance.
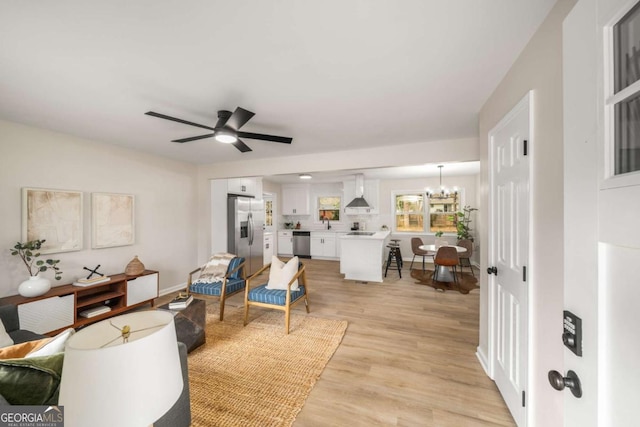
(29, 252)
(462, 223)
(440, 241)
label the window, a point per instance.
(411, 211)
(625, 94)
(442, 212)
(329, 208)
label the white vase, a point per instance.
(34, 286)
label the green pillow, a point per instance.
(33, 381)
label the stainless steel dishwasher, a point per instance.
(302, 244)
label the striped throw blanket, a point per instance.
(215, 269)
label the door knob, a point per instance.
(492, 270)
(571, 381)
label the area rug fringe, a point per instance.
(257, 375)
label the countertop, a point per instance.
(324, 230)
(379, 235)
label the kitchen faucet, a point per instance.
(328, 222)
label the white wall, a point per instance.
(539, 68)
(165, 204)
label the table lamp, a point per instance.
(122, 371)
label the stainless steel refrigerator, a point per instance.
(245, 230)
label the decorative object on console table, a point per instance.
(134, 267)
(29, 253)
(96, 311)
(93, 281)
(90, 280)
(86, 391)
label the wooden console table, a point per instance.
(60, 308)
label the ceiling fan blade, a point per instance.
(239, 118)
(223, 116)
(272, 138)
(174, 119)
(194, 138)
(242, 146)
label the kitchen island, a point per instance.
(362, 255)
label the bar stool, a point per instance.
(396, 243)
(394, 257)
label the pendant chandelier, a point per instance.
(444, 192)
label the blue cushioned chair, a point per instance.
(232, 283)
(278, 299)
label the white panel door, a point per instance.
(602, 239)
(509, 236)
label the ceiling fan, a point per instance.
(227, 129)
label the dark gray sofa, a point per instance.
(9, 316)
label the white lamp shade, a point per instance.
(121, 384)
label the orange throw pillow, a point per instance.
(18, 351)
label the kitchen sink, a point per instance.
(361, 233)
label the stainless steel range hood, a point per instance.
(359, 201)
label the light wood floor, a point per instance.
(407, 358)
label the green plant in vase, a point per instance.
(29, 252)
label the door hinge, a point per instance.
(524, 273)
(525, 147)
(524, 401)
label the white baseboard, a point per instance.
(484, 361)
(176, 288)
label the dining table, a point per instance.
(444, 275)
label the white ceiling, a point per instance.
(402, 172)
(332, 74)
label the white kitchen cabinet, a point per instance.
(245, 186)
(338, 245)
(323, 245)
(295, 200)
(285, 243)
(267, 252)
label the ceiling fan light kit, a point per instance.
(226, 129)
(225, 137)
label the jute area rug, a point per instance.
(256, 375)
(466, 282)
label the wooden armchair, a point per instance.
(278, 299)
(234, 281)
